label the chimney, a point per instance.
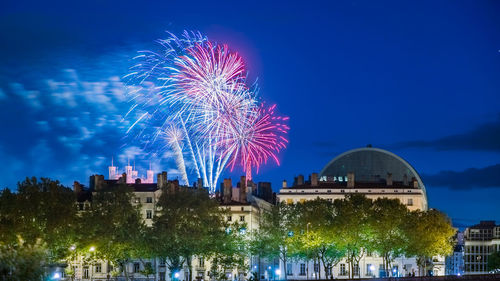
(283, 185)
(414, 182)
(389, 179)
(300, 179)
(227, 192)
(314, 179)
(350, 179)
(137, 181)
(174, 185)
(405, 180)
(161, 180)
(199, 183)
(123, 178)
(243, 189)
(77, 187)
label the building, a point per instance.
(480, 241)
(241, 201)
(370, 171)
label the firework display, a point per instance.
(192, 99)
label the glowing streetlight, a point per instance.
(176, 275)
(92, 249)
(72, 248)
(278, 272)
(372, 267)
(56, 276)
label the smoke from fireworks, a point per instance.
(192, 98)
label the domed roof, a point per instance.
(371, 165)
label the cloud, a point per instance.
(473, 178)
(485, 137)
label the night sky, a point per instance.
(418, 78)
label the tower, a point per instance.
(128, 171)
(112, 171)
(149, 175)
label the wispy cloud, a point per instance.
(473, 178)
(485, 137)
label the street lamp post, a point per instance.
(307, 233)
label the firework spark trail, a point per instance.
(200, 87)
(174, 137)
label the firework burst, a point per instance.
(194, 94)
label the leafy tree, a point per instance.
(318, 240)
(113, 228)
(389, 240)
(353, 224)
(20, 261)
(494, 261)
(230, 251)
(429, 233)
(188, 224)
(275, 234)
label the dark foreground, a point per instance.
(489, 277)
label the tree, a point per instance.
(189, 224)
(429, 233)
(317, 241)
(353, 224)
(494, 262)
(112, 229)
(230, 251)
(389, 216)
(20, 261)
(275, 234)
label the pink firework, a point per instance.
(258, 139)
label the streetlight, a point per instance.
(307, 232)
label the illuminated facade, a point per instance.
(375, 173)
(480, 241)
(241, 201)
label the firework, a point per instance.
(194, 93)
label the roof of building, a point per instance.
(371, 165)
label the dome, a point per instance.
(371, 165)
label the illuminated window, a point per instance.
(289, 201)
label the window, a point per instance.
(162, 276)
(289, 269)
(302, 200)
(410, 202)
(342, 190)
(369, 270)
(302, 269)
(149, 199)
(110, 267)
(316, 267)
(149, 214)
(201, 262)
(242, 209)
(98, 268)
(342, 269)
(86, 272)
(355, 270)
(289, 201)
(162, 262)
(137, 267)
(242, 218)
(229, 218)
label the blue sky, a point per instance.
(419, 78)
